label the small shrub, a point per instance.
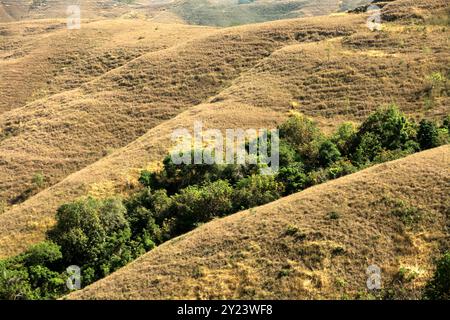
(438, 288)
(341, 168)
(333, 215)
(285, 272)
(446, 123)
(410, 216)
(338, 251)
(443, 137)
(438, 83)
(295, 232)
(38, 180)
(406, 275)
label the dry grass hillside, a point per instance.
(222, 13)
(13, 10)
(95, 138)
(227, 13)
(67, 131)
(41, 58)
(314, 244)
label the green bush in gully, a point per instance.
(438, 288)
(101, 236)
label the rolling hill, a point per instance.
(292, 249)
(222, 13)
(98, 135)
(55, 60)
(88, 109)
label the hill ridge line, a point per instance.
(360, 176)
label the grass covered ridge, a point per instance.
(101, 236)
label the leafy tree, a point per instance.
(293, 177)
(287, 154)
(44, 253)
(328, 153)
(147, 207)
(235, 172)
(368, 148)
(198, 204)
(91, 231)
(302, 133)
(256, 190)
(14, 283)
(387, 128)
(343, 136)
(49, 284)
(427, 135)
(175, 177)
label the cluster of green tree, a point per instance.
(101, 236)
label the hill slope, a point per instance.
(14, 10)
(55, 59)
(201, 12)
(65, 132)
(292, 249)
(227, 13)
(236, 77)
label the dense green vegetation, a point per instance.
(101, 236)
(438, 287)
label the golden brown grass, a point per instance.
(40, 58)
(65, 132)
(13, 10)
(236, 77)
(314, 244)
